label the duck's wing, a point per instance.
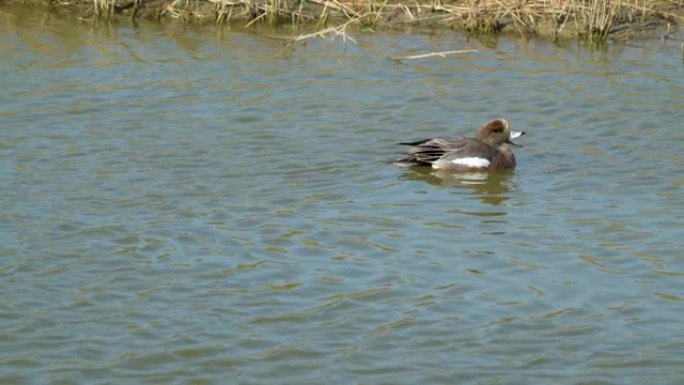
(440, 142)
(427, 151)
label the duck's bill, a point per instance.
(515, 135)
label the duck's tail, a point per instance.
(409, 161)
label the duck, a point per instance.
(488, 150)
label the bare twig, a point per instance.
(333, 32)
(432, 54)
(340, 30)
(255, 19)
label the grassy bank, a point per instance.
(594, 20)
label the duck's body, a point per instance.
(487, 151)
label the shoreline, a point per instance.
(590, 20)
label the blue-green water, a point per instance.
(178, 206)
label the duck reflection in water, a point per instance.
(490, 187)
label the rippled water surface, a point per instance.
(178, 206)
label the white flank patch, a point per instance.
(473, 162)
(516, 134)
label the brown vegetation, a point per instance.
(593, 20)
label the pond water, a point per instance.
(180, 206)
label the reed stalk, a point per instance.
(593, 20)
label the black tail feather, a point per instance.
(409, 162)
(414, 143)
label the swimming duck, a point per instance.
(486, 151)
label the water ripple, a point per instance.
(181, 208)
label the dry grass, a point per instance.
(593, 20)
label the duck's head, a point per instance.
(497, 132)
